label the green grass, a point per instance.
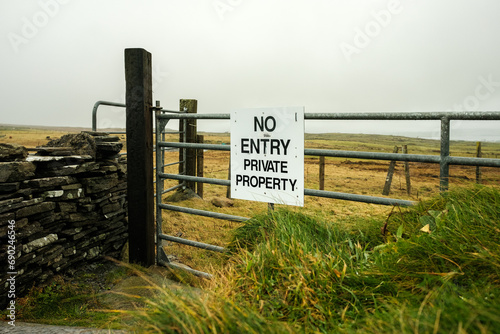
(288, 272)
(71, 302)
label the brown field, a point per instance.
(364, 177)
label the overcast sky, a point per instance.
(59, 57)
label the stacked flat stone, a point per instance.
(69, 208)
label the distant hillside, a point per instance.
(4, 127)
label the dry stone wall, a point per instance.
(67, 205)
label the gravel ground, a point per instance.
(25, 328)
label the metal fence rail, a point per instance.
(307, 192)
(122, 105)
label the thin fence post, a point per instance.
(159, 183)
(322, 173)
(228, 190)
(162, 131)
(478, 168)
(182, 151)
(139, 122)
(407, 171)
(199, 165)
(191, 107)
(390, 172)
(270, 208)
(444, 165)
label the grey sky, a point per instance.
(59, 57)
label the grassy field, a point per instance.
(326, 266)
(436, 269)
(364, 177)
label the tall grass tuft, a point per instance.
(435, 269)
(179, 311)
(302, 270)
(463, 243)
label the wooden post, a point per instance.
(390, 172)
(190, 168)
(444, 164)
(270, 208)
(199, 165)
(407, 171)
(139, 100)
(322, 173)
(478, 168)
(182, 139)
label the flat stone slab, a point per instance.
(35, 209)
(99, 139)
(81, 143)
(12, 152)
(110, 146)
(16, 203)
(52, 151)
(64, 194)
(70, 169)
(72, 158)
(16, 171)
(96, 133)
(98, 184)
(50, 181)
(39, 243)
(9, 187)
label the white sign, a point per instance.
(267, 155)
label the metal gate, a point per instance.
(161, 120)
(444, 160)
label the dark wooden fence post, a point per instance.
(444, 165)
(322, 173)
(478, 168)
(390, 172)
(199, 165)
(191, 107)
(139, 100)
(182, 139)
(407, 171)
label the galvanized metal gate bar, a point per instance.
(204, 213)
(406, 116)
(388, 116)
(308, 192)
(192, 243)
(160, 124)
(104, 103)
